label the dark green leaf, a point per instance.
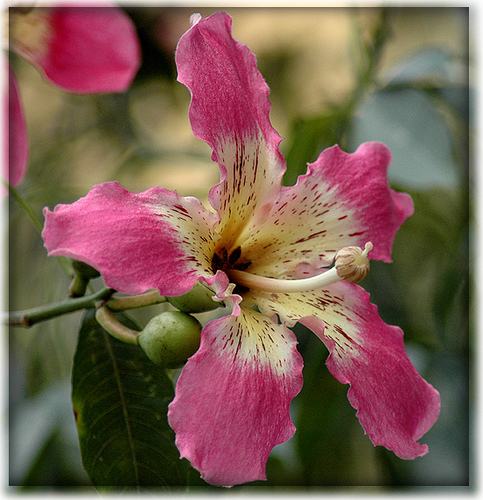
(458, 98)
(309, 137)
(120, 402)
(421, 290)
(331, 444)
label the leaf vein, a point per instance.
(123, 404)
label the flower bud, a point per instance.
(170, 338)
(352, 263)
(198, 299)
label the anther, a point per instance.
(234, 256)
(351, 263)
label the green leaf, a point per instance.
(422, 290)
(459, 98)
(416, 133)
(309, 136)
(27, 441)
(436, 72)
(448, 460)
(429, 65)
(330, 442)
(120, 403)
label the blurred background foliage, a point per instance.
(398, 75)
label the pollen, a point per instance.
(30, 32)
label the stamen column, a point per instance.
(351, 264)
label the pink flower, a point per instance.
(15, 163)
(79, 49)
(233, 396)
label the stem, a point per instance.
(35, 315)
(25, 206)
(78, 286)
(135, 301)
(36, 221)
(374, 53)
(106, 318)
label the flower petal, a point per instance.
(80, 49)
(230, 111)
(343, 200)
(223, 291)
(394, 404)
(233, 397)
(16, 143)
(154, 239)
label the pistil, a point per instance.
(350, 263)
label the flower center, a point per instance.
(350, 263)
(224, 261)
(30, 31)
(229, 262)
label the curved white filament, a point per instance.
(276, 285)
(253, 281)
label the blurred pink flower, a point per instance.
(79, 49)
(16, 142)
(233, 396)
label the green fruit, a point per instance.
(198, 299)
(170, 338)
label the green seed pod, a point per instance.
(84, 270)
(198, 299)
(170, 338)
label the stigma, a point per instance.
(350, 264)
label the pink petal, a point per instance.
(360, 179)
(154, 239)
(394, 404)
(88, 49)
(223, 291)
(230, 111)
(17, 141)
(343, 200)
(233, 397)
